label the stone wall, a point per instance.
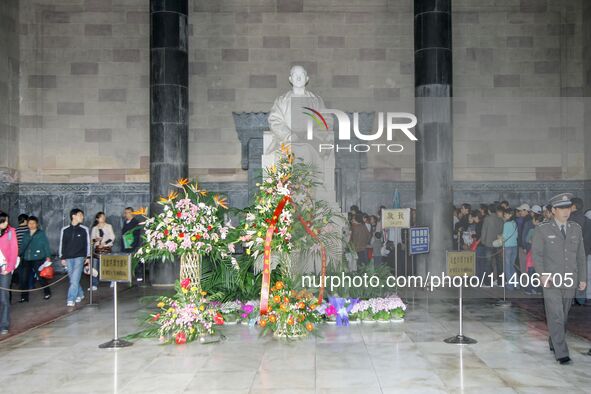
(85, 65)
(9, 89)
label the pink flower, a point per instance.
(331, 310)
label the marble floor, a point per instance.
(511, 356)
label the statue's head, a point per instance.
(298, 77)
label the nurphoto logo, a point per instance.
(402, 121)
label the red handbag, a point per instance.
(47, 272)
(474, 245)
(529, 260)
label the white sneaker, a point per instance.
(79, 299)
(70, 303)
(94, 288)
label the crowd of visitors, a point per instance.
(25, 252)
(502, 237)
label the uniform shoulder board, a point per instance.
(575, 224)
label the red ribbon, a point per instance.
(314, 235)
(267, 255)
(266, 283)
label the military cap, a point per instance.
(562, 200)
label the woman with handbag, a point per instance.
(8, 262)
(103, 237)
(36, 255)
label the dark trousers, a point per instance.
(362, 259)
(30, 274)
(5, 302)
(557, 303)
(492, 261)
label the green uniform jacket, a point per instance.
(553, 254)
(38, 246)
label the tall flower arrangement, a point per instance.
(276, 186)
(191, 222)
(293, 182)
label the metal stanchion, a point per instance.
(115, 342)
(412, 263)
(115, 268)
(406, 252)
(91, 276)
(503, 303)
(461, 339)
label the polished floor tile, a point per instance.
(511, 356)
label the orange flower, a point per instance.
(283, 307)
(263, 323)
(221, 201)
(290, 321)
(286, 300)
(301, 305)
(172, 196)
(272, 318)
(276, 299)
(279, 285)
(309, 326)
(142, 211)
(182, 182)
(313, 306)
(285, 149)
(301, 318)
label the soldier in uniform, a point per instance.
(559, 258)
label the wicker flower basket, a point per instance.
(191, 268)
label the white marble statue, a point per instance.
(288, 125)
(291, 105)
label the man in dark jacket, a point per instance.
(578, 216)
(131, 239)
(74, 251)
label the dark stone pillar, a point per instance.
(169, 96)
(434, 150)
(587, 94)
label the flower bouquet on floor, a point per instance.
(290, 313)
(380, 309)
(183, 317)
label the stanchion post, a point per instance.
(504, 302)
(460, 339)
(90, 272)
(116, 342)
